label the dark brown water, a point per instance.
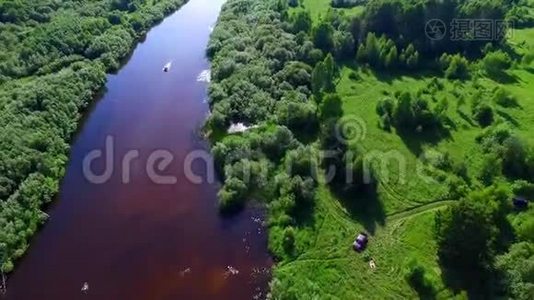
(144, 240)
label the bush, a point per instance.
(297, 116)
(418, 279)
(517, 267)
(504, 98)
(454, 66)
(323, 37)
(331, 107)
(232, 196)
(293, 3)
(354, 76)
(408, 112)
(495, 63)
(289, 240)
(483, 113)
(491, 169)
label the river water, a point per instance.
(143, 240)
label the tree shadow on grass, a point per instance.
(389, 76)
(478, 283)
(362, 204)
(415, 141)
(508, 118)
(418, 281)
(304, 215)
(306, 135)
(466, 118)
(503, 77)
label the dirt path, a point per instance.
(417, 210)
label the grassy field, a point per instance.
(401, 220)
(318, 8)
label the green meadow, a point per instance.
(401, 222)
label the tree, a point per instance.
(322, 79)
(323, 36)
(483, 113)
(232, 195)
(410, 57)
(293, 3)
(495, 63)
(455, 66)
(491, 169)
(468, 231)
(391, 58)
(330, 69)
(302, 21)
(344, 45)
(372, 49)
(361, 55)
(331, 107)
(297, 116)
(318, 79)
(289, 240)
(517, 266)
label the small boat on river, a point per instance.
(167, 67)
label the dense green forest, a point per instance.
(54, 56)
(457, 111)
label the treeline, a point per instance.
(53, 61)
(262, 74)
(405, 22)
(41, 38)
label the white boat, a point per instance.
(167, 67)
(85, 287)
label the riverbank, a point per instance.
(49, 76)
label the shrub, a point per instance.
(495, 63)
(293, 3)
(455, 66)
(354, 76)
(504, 98)
(289, 240)
(232, 196)
(418, 279)
(483, 113)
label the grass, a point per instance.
(402, 217)
(319, 8)
(330, 269)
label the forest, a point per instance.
(457, 111)
(53, 63)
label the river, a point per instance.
(143, 240)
